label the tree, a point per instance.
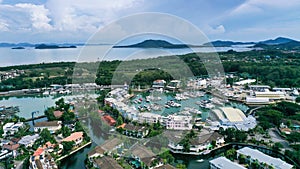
(213, 143)
(65, 131)
(277, 146)
(298, 99)
(230, 154)
(68, 145)
(119, 121)
(242, 159)
(46, 136)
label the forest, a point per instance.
(273, 67)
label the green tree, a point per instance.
(68, 146)
(46, 136)
(65, 131)
(119, 121)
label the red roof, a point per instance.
(111, 121)
(38, 152)
(11, 146)
(58, 114)
(74, 136)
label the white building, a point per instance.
(176, 122)
(224, 163)
(257, 101)
(233, 117)
(28, 140)
(52, 126)
(149, 118)
(270, 95)
(11, 128)
(263, 158)
(244, 82)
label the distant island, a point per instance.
(154, 44)
(44, 46)
(20, 47)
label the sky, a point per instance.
(77, 20)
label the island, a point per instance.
(154, 44)
(44, 46)
(20, 47)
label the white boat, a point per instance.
(200, 161)
(46, 93)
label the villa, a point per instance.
(28, 140)
(106, 162)
(145, 156)
(41, 159)
(11, 128)
(134, 131)
(176, 122)
(224, 163)
(52, 126)
(106, 148)
(77, 137)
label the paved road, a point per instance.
(19, 164)
(275, 137)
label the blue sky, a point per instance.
(77, 20)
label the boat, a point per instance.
(200, 160)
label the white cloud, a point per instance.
(38, 16)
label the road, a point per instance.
(19, 164)
(275, 137)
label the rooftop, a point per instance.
(74, 136)
(111, 144)
(141, 151)
(47, 124)
(263, 158)
(224, 163)
(107, 163)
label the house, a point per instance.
(198, 145)
(178, 122)
(5, 153)
(11, 128)
(158, 84)
(263, 159)
(134, 131)
(107, 147)
(77, 137)
(109, 120)
(52, 126)
(149, 118)
(145, 156)
(165, 166)
(41, 159)
(106, 162)
(28, 140)
(224, 163)
(57, 114)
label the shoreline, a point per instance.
(74, 151)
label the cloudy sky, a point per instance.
(77, 20)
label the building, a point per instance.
(259, 87)
(233, 117)
(198, 145)
(158, 84)
(174, 84)
(270, 95)
(134, 131)
(149, 118)
(244, 82)
(145, 156)
(28, 140)
(108, 147)
(263, 159)
(257, 101)
(177, 122)
(224, 163)
(52, 126)
(106, 162)
(11, 128)
(109, 120)
(77, 137)
(57, 114)
(41, 159)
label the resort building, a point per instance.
(28, 140)
(174, 84)
(259, 87)
(157, 84)
(224, 163)
(134, 131)
(244, 82)
(177, 122)
(52, 126)
(77, 137)
(106, 162)
(257, 101)
(198, 145)
(233, 117)
(108, 147)
(263, 159)
(145, 156)
(149, 118)
(270, 95)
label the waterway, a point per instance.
(28, 104)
